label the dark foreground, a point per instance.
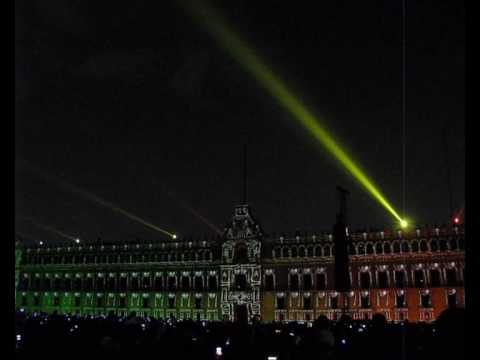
(55, 336)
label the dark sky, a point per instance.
(139, 106)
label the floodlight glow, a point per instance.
(403, 223)
(456, 220)
(254, 65)
(174, 236)
(77, 240)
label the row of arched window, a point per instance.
(118, 258)
(371, 248)
(120, 283)
(383, 279)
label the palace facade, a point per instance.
(414, 275)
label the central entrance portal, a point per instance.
(241, 313)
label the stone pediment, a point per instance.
(243, 225)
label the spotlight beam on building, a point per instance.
(97, 200)
(48, 228)
(208, 18)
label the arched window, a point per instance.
(426, 300)
(77, 284)
(294, 252)
(122, 284)
(434, 245)
(111, 283)
(321, 281)
(185, 283)
(301, 252)
(307, 282)
(100, 284)
(400, 280)
(352, 250)
(451, 277)
(435, 278)
(423, 246)
(453, 245)
(327, 251)
(361, 248)
(370, 249)
(415, 247)
(57, 284)
(294, 282)
(419, 278)
(318, 251)
(171, 283)
(382, 279)
(310, 251)
(365, 280)
(146, 283)
(158, 283)
(405, 247)
(198, 283)
(212, 283)
(67, 284)
(88, 284)
(387, 248)
(285, 252)
(396, 247)
(379, 248)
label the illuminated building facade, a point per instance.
(414, 275)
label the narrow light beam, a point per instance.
(253, 64)
(192, 211)
(48, 228)
(94, 198)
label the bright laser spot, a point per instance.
(243, 53)
(403, 223)
(94, 198)
(48, 228)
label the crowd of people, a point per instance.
(39, 334)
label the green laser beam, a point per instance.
(206, 16)
(96, 199)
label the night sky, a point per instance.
(138, 105)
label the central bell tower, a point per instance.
(241, 266)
